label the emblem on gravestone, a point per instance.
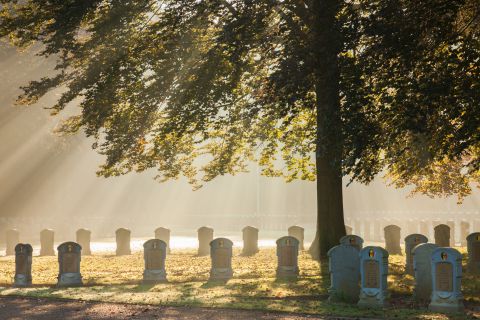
(444, 256)
(371, 253)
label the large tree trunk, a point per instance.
(326, 43)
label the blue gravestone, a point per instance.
(373, 274)
(446, 280)
(410, 242)
(154, 255)
(344, 267)
(287, 255)
(352, 240)
(221, 255)
(23, 265)
(69, 256)
(473, 247)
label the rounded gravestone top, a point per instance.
(122, 230)
(23, 247)
(250, 228)
(288, 240)
(373, 251)
(46, 231)
(416, 237)
(154, 243)
(295, 228)
(392, 227)
(202, 229)
(69, 246)
(442, 226)
(221, 242)
(162, 229)
(473, 237)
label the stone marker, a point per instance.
(122, 237)
(205, 236)
(299, 234)
(13, 237)
(154, 255)
(352, 240)
(373, 275)
(164, 235)
(446, 275)
(344, 267)
(47, 237)
(464, 231)
(83, 239)
(348, 230)
(221, 255)
(69, 256)
(473, 247)
(442, 235)
(410, 242)
(23, 265)
(422, 265)
(250, 241)
(287, 255)
(392, 239)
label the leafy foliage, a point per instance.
(201, 88)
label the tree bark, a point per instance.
(326, 45)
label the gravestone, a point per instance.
(83, 239)
(442, 235)
(13, 237)
(373, 277)
(154, 255)
(464, 232)
(250, 241)
(164, 235)
(299, 234)
(69, 256)
(221, 256)
(23, 265)
(473, 247)
(348, 230)
(392, 239)
(122, 237)
(422, 265)
(287, 257)
(410, 242)
(446, 277)
(352, 240)
(205, 236)
(47, 237)
(344, 267)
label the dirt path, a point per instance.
(14, 308)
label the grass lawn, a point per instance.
(118, 279)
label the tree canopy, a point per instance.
(163, 84)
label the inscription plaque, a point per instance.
(21, 264)
(287, 257)
(222, 258)
(444, 276)
(372, 273)
(155, 260)
(69, 264)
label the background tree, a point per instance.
(311, 89)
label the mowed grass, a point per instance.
(254, 286)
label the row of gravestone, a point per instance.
(122, 236)
(155, 252)
(360, 274)
(392, 237)
(370, 229)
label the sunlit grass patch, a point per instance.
(254, 286)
